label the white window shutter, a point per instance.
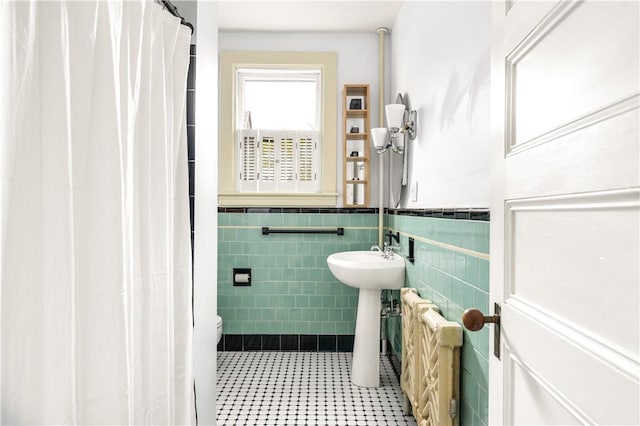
(268, 158)
(305, 159)
(287, 158)
(247, 143)
(286, 161)
(307, 153)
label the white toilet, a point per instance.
(219, 327)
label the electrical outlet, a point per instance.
(413, 192)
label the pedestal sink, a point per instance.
(371, 273)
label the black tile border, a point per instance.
(327, 343)
(270, 342)
(191, 107)
(192, 209)
(287, 342)
(481, 214)
(233, 342)
(191, 142)
(192, 178)
(191, 73)
(252, 342)
(345, 343)
(443, 213)
(316, 210)
(309, 343)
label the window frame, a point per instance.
(230, 62)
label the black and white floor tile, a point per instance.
(303, 388)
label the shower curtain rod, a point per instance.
(166, 4)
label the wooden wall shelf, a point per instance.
(355, 192)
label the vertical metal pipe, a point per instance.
(382, 31)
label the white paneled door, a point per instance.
(566, 212)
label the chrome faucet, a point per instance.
(386, 252)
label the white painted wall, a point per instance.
(440, 58)
(206, 220)
(357, 63)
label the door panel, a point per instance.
(563, 244)
(525, 387)
(560, 163)
(593, 381)
(575, 40)
(565, 231)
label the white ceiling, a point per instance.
(307, 15)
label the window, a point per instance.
(277, 140)
(278, 125)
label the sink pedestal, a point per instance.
(365, 370)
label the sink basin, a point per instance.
(367, 269)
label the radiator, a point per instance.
(430, 378)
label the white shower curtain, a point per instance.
(95, 310)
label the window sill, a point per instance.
(235, 199)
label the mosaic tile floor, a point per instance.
(303, 388)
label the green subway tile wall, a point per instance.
(452, 270)
(292, 289)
